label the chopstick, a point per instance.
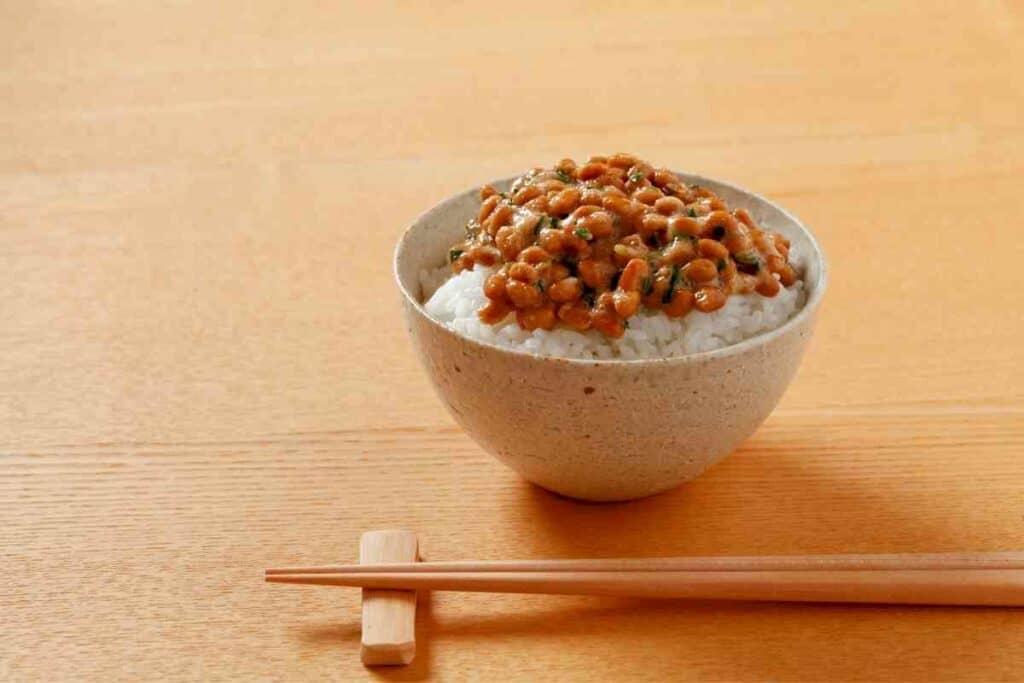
(938, 579)
(992, 560)
(1003, 587)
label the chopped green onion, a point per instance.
(673, 281)
(637, 177)
(648, 285)
(747, 257)
(540, 225)
(692, 213)
(583, 233)
(540, 286)
(748, 261)
(563, 176)
(722, 264)
(453, 255)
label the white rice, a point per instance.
(651, 334)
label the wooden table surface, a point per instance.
(204, 371)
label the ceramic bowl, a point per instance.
(613, 429)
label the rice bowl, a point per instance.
(596, 418)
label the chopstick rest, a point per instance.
(389, 616)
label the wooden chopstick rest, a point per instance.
(389, 616)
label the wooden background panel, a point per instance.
(205, 372)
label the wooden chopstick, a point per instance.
(907, 561)
(993, 587)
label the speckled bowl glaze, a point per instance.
(613, 429)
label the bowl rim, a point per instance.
(758, 340)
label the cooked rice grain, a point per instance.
(651, 334)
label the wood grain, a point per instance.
(204, 371)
